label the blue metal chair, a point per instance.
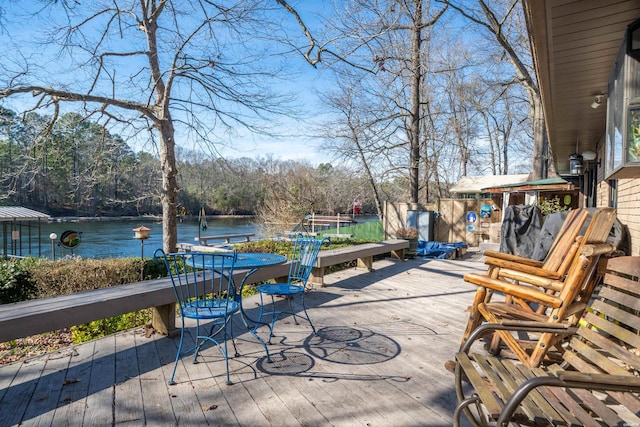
(203, 284)
(303, 258)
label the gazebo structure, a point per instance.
(18, 223)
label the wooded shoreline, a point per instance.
(138, 218)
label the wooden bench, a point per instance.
(362, 253)
(595, 383)
(32, 317)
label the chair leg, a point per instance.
(304, 308)
(175, 365)
(198, 342)
(274, 317)
(475, 318)
(293, 313)
(233, 339)
(226, 353)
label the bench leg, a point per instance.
(317, 276)
(366, 262)
(163, 318)
(398, 254)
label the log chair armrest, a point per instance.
(592, 249)
(513, 258)
(517, 325)
(576, 380)
(528, 293)
(507, 267)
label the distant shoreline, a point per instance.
(138, 218)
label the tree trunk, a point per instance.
(169, 186)
(540, 154)
(414, 113)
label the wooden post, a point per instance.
(398, 254)
(163, 318)
(317, 275)
(365, 262)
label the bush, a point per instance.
(104, 327)
(16, 283)
(52, 278)
(549, 206)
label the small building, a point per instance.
(533, 192)
(20, 228)
(472, 187)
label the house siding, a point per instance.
(628, 209)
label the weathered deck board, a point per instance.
(378, 360)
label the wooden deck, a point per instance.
(378, 360)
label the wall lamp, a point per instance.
(598, 102)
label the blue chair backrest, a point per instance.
(303, 257)
(199, 278)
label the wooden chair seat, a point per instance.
(597, 383)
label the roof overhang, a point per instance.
(18, 213)
(574, 45)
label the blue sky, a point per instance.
(303, 81)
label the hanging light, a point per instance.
(575, 161)
(575, 164)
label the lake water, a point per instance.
(103, 239)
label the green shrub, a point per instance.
(16, 283)
(548, 206)
(52, 278)
(104, 327)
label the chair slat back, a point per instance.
(201, 278)
(303, 257)
(557, 259)
(584, 266)
(608, 339)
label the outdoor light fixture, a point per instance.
(575, 164)
(53, 237)
(575, 161)
(589, 155)
(595, 104)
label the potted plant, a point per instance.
(410, 234)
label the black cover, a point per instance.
(552, 224)
(520, 229)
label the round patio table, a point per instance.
(252, 262)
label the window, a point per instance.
(613, 193)
(622, 143)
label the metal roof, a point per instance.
(548, 184)
(475, 184)
(18, 213)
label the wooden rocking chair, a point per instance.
(555, 265)
(558, 300)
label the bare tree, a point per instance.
(178, 69)
(504, 21)
(376, 33)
